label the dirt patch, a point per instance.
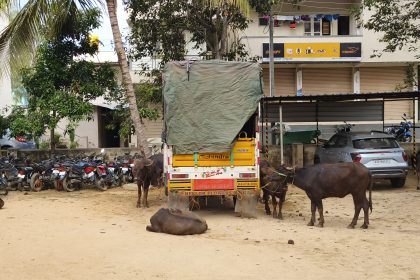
(101, 235)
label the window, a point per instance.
(326, 27)
(375, 143)
(343, 25)
(312, 27)
(263, 21)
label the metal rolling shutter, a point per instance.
(386, 79)
(327, 80)
(284, 84)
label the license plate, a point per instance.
(382, 161)
(111, 169)
(56, 172)
(21, 176)
(124, 169)
(62, 173)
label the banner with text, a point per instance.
(314, 52)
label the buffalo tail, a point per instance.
(370, 193)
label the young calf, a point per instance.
(273, 184)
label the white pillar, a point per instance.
(356, 80)
(299, 82)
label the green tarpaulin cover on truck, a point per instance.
(208, 102)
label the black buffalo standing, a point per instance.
(335, 180)
(148, 172)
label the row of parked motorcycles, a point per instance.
(402, 133)
(67, 174)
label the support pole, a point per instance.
(281, 133)
(271, 53)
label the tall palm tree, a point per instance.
(25, 31)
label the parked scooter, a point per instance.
(346, 127)
(403, 132)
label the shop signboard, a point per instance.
(313, 52)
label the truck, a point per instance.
(211, 136)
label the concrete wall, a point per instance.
(37, 155)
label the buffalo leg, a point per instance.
(321, 213)
(280, 215)
(146, 191)
(366, 212)
(139, 186)
(418, 178)
(357, 208)
(145, 203)
(313, 209)
(266, 206)
(274, 202)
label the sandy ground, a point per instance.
(101, 235)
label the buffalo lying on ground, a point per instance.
(148, 172)
(272, 184)
(173, 221)
(335, 180)
(1, 200)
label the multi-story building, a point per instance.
(320, 48)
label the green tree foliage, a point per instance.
(61, 83)
(165, 22)
(397, 20)
(4, 125)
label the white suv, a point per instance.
(378, 151)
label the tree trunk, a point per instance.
(52, 139)
(52, 143)
(223, 36)
(126, 79)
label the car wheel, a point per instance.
(398, 182)
(317, 160)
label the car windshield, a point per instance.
(375, 143)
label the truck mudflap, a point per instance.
(246, 203)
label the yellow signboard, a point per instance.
(311, 50)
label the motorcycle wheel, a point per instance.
(68, 185)
(36, 183)
(13, 186)
(58, 184)
(100, 184)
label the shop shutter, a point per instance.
(327, 80)
(284, 84)
(386, 79)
